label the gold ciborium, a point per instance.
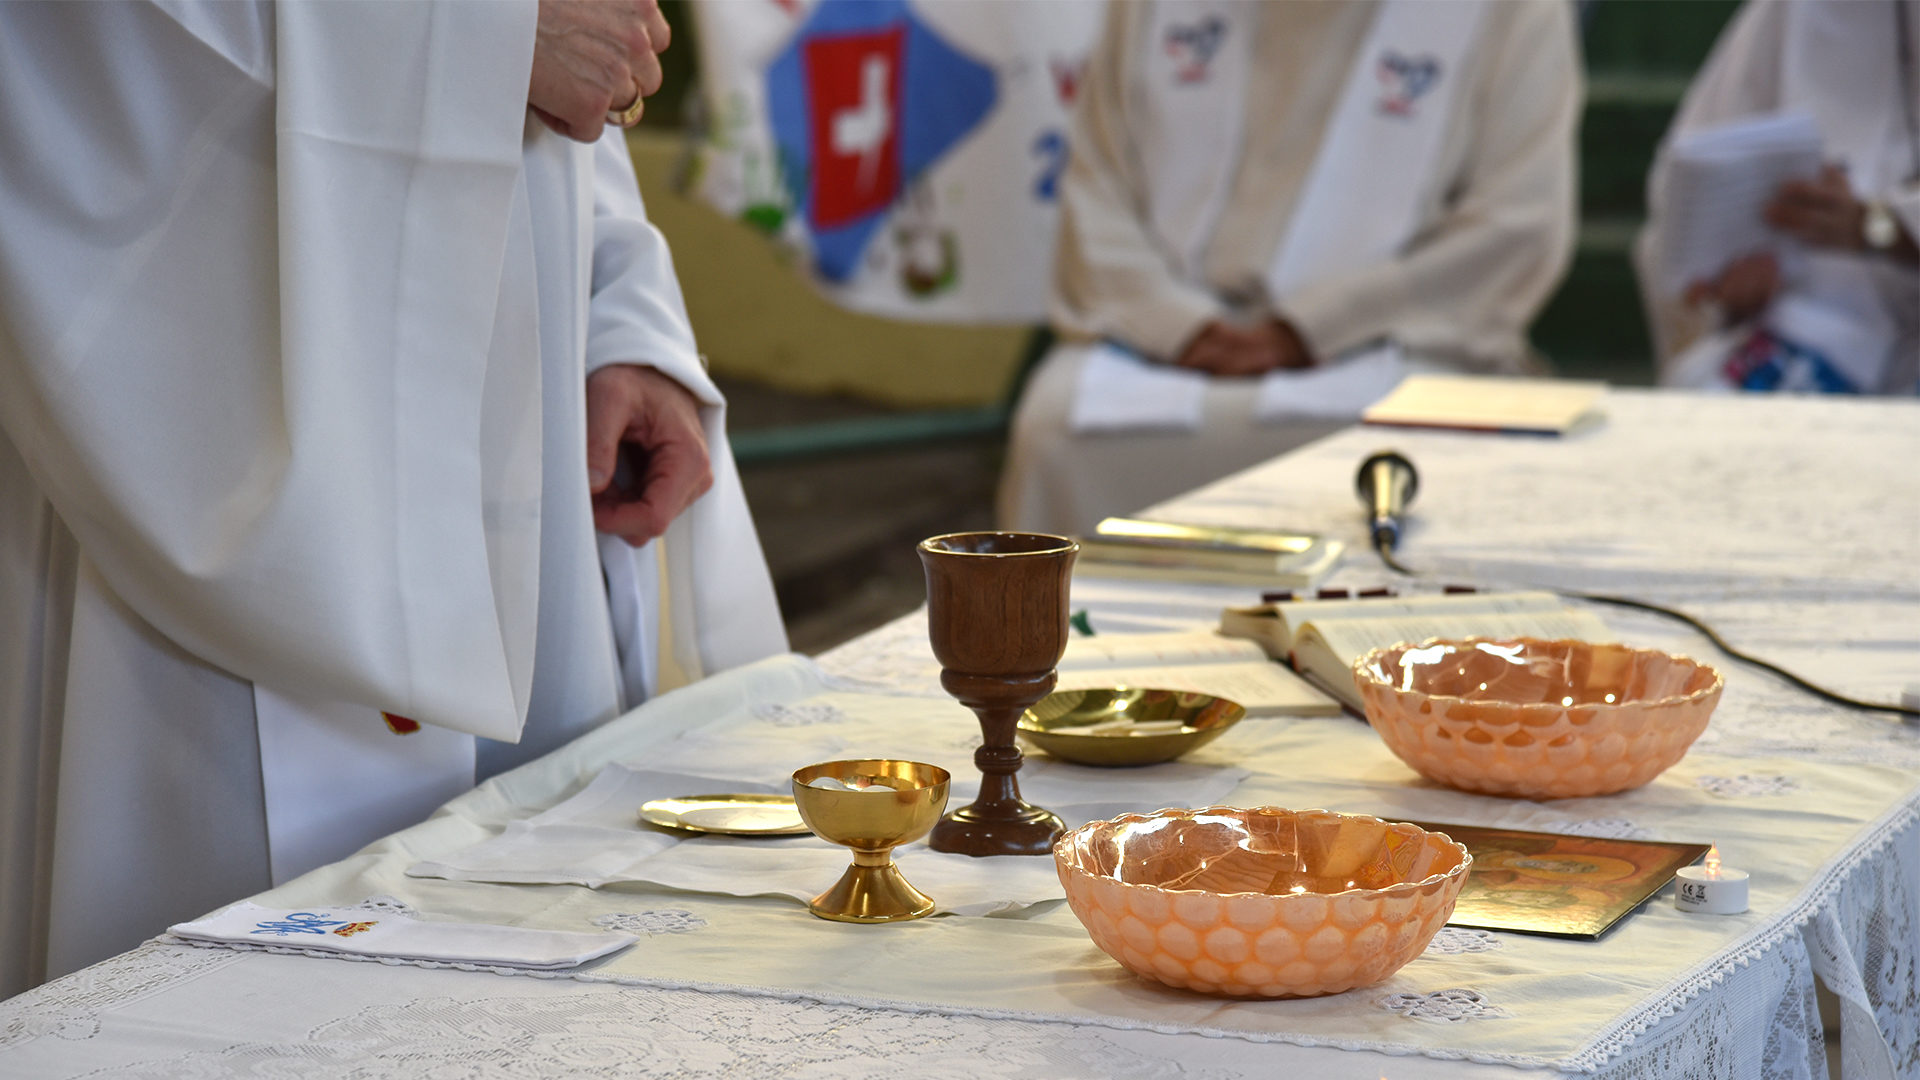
(997, 617)
(874, 806)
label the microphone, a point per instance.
(1386, 484)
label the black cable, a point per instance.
(1387, 556)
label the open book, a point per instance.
(1322, 638)
(1197, 661)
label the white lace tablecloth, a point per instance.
(1793, 525)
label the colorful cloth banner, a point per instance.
(909, 150)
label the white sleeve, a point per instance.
(722, 610)
(1740, 78)
(637, 314)
(248, 269)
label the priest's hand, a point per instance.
(656, 423)
(1742, 289)
(1822, 211)
(1825, 213)
(1222, 348)
(591, 57)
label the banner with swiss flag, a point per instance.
(909, 150)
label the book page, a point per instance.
(1295, 614)
(1263, 687)
(1719, 181)
(1104, 651)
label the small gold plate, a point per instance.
(1061, 724)
(727, 815)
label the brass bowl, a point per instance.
(1536, 719)
(902, 804)
(1260, 902)
(1058, 724)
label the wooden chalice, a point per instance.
(997, 616)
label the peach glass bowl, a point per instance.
(1263, 903)
(1536, 719)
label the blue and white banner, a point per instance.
(910, 150)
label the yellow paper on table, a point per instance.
(1488, 403)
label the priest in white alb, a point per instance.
(1275, 211)
(328, 334)
(1833, 303)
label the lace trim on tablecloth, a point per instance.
(1456, 941)
(650, 923)
(1612, 1040)
(1604, 828)
(69, 1007)
(387, 905)
(803, 714)
(660, 1034)
(1454, 1005)
(885, 1005)
(894, 659)
(1839, 881)
(1749, 785)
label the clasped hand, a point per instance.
(593, 56)
(639, 407)
(1222, 348)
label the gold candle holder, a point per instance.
(897, 802)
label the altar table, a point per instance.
(1792, 525)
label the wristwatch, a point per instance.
(1878, 229)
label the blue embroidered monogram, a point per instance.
(1193, 46)
(299, 922)
(1406, 79)
(336, 931)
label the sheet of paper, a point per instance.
(1119, 391)
(1299, 612)
(1719, 181)
(1155, 650)
(1339, 390)
(1262, 686)
(1487, 403)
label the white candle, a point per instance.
(1710, 888)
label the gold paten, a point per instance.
(727, 815)
(1203, 718)
(906, 800)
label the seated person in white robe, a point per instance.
(1346, 191)
(318, 346)
(1842, 311)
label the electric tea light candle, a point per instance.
(1710, 888)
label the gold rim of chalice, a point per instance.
(898, 802)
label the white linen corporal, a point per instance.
(294, 434)
(594, 838)
(351, 933)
